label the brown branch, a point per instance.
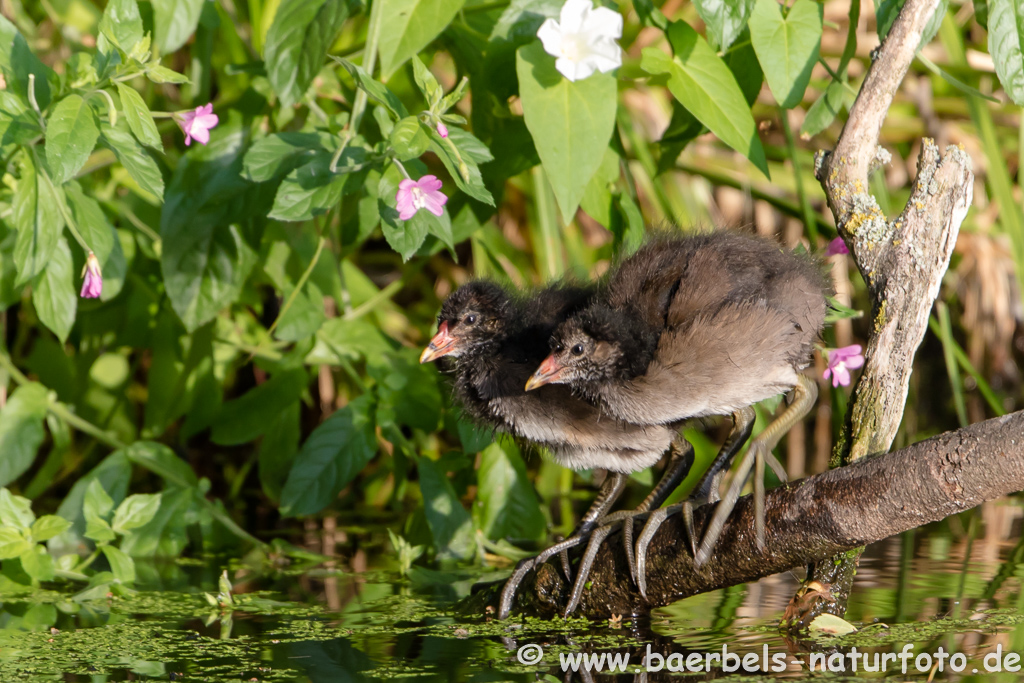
(808, 520)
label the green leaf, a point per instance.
(16, 511)
(281, 153)
(21, 431)
(12, 543)
(97, 529)
(140, 120)
(161, 460)
(161, 74)
(405, 237)
(450, 524)
(121, 565)
(1006, 45)
(378, 92)
(135, 511)
(571, 123)
(18, 62)
(787, 47)
(166, 534)
(507, 505)
(48, 526)
(278, 449)
(53, 292)
(133, 157)
(886, 12)
(472, 183)
(249, 416)
(122, 24)
(174, 22)
(703, 84)
(724, 19)
(96, 502)
(408, 139)
(37, 563)
(408, 392)
(338, 340)
(312, 190)
(298, 41)
(426, 82)
(824, 110)
(37, 218)
(113, 474)
(71, 134)
(830, 624)
(101, 237)
(332, 456)
(409, 26)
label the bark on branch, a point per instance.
(808, 520)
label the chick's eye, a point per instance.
(577, 350)
(470, 319)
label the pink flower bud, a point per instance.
(442, 129)
(92, 285)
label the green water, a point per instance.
(934, 588)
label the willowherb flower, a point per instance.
(197, 124)
(583, 40)
(836, 246)
(424, 193)
(442, 129)
(92, 285)
(841, 361)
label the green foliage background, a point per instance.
(253, 357)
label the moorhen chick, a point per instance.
(697, 326)
(496, 340)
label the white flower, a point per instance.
(584, 40)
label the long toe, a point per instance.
(627, 544)
(583, 572)
(759, 499)
(566, 568)
(654, 521)
(508, 593)
(691, 531)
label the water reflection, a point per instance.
(955, 585)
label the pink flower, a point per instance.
(841, 361)
(197, 124)
(442, 129)
(92, 285)
(414, 195)
(836, 246)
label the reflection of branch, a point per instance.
(902, 261)
(808, 520)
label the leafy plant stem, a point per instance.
(111, 108)
(68, 220)
(369, 62)
(298, 286)
(801, 191)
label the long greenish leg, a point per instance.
(613, 486)
(805, 393)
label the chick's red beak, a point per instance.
(441, 345)
(549, 371)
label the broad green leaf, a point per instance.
(278, 449)
(140, 120)
(101, 237)
(37, 218)
(161, 74)
(98, 529)
(824, 110)
(408, 138)
(981, 12)
(16, 511)
(53, 292)
(71, 134)
(113, 474)
(650, 15)
(520, 21)
(37, 563)
(571, 123)
(249, 416)
(450, 524)
(725, 19)
(97, 503)
(426, 82)
(703, 84)
(133, 157)
(332, 456)
(21, 431)
(409, 26)
(166, 534)
(121, 565)
(467, 174)
(312, 190)
(377, 91)
(886, 12)
(281, 153)
(507, 505)
(830, 624)
(161, 460)
(17, 61)
(407, 391)
(297, 43)
(48, 526)
(174, 22)
(12, 543)
(135, 511)
(122, 24)
(338, 340)
(1006, 45)
(787, 47)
